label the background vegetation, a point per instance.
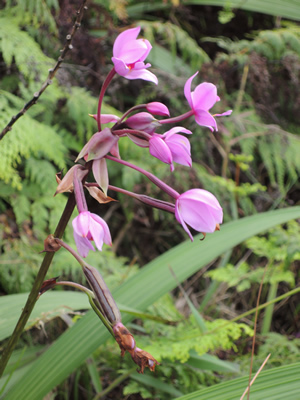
(201, 332)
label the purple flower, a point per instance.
(87, 227)
(201, 100)
(171, 147)
(129, 54)
(199, 209)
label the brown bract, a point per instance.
(124, 338)
(50, 244)
(143, 359)
(48, 284)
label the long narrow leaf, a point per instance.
(276, 384)
(140, 291)
(284, 8)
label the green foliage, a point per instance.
(33, 12)
(176, 342)
(16, 45)
(272, 44)
(177, 40)
(243, 276)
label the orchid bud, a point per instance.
(103, 297)
(157, 108)
(143, 122)
(106, 118)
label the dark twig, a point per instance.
(68, 46)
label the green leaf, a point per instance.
(275, 384)
(143, 289)
(149, 380)
(50, 305)
(284, 8)
(212, 363)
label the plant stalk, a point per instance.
(32, 297)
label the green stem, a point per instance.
(269, 310)
(66, 215)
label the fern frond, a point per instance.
(28, 138)
(16, 45)
(37, 12)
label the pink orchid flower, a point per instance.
(201, 100)
(129, 54)
(87, 227)
(171, 147)
(200, 210)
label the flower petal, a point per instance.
(204, 118)
(187, 90)
(101, 174)
(122, 38)
(141, 74)
(205, 96)
(121, 68)
(223, 114)
(83, 245)
(159, 149)
(181, 221)
(100, 144)
(106, 232)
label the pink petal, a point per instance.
(204, 196)
(223, 114)
(83, 245)
(138, 141)
(128, 35)
(204, 118)
(197, 215)
(81, 224)
(158, 108)
(114, 151)
(181, 221)
(100, 144)
(97, 233)
(187, 90)
(204, 96)
(101, 174)
(141, 74)
(134, 51)
(175, 130)
(140, 121)
(159, 149)
(107, 118)
(181, 149)
(120, 66)
(106, 233)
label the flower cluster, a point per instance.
(195, 208)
